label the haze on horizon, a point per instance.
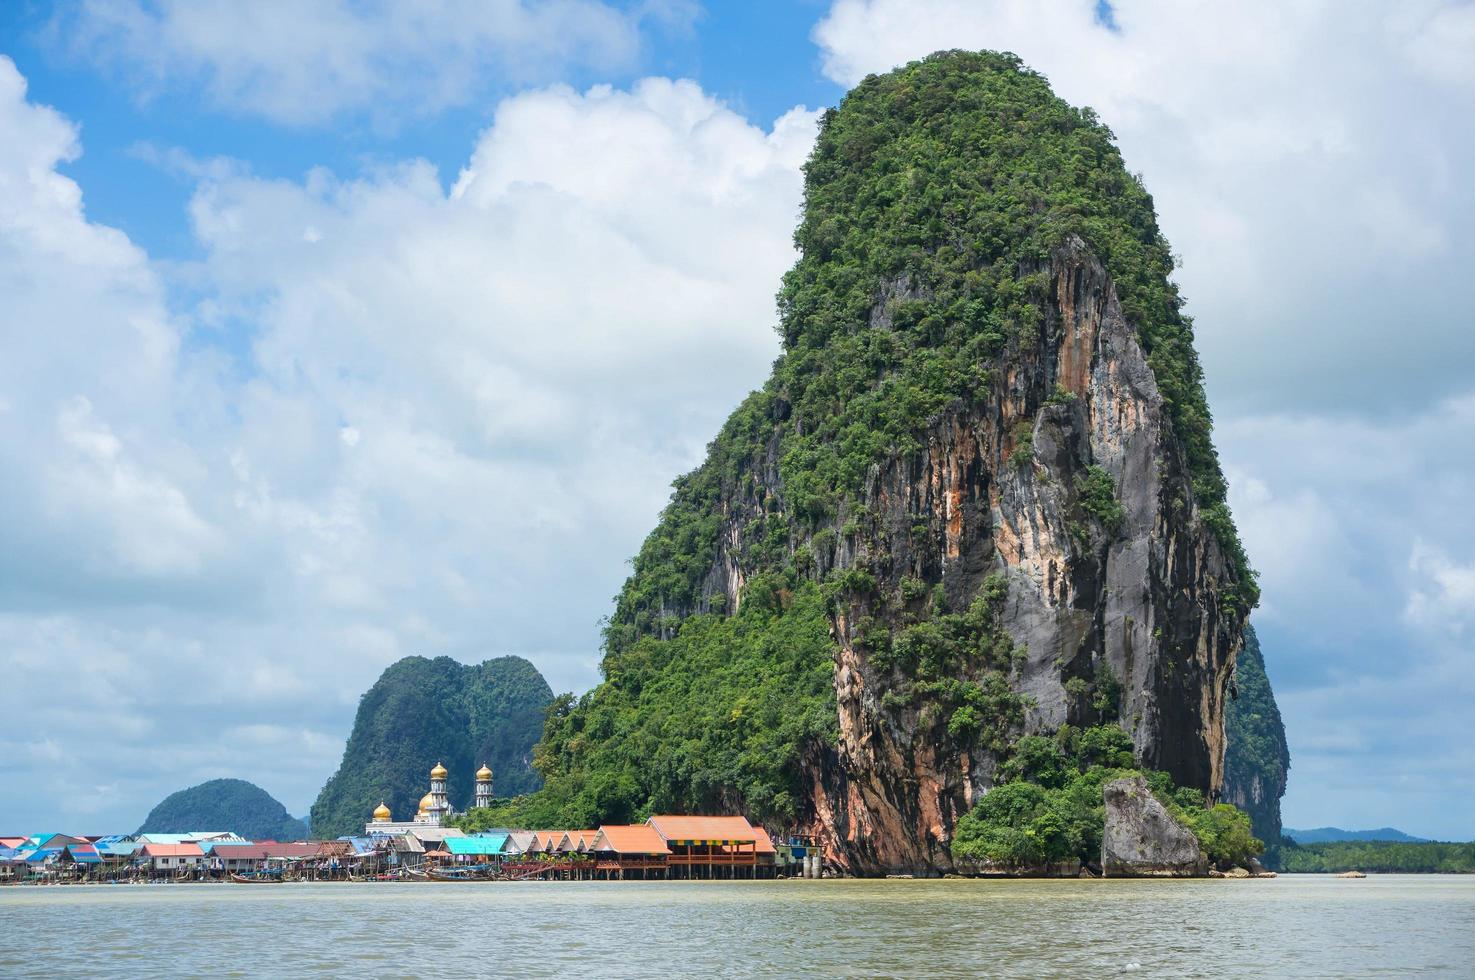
(333, 340)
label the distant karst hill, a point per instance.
(224, 804)
(420, 712)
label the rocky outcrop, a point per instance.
(1142, 839)
(982, 466)
(1256, 756)
(1116, 612)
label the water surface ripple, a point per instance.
(1293, 926)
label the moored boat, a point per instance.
(256, 878)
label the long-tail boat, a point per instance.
(257, 877)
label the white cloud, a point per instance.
(461, 413)
(1443, 596)
(301, 63)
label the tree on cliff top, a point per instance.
(931, 195)
(420, 712)
(224, 804)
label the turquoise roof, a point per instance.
(481, 846)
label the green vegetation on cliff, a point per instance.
(933, 187)
(1379, 856)
(712, 718)
(1256, 756)
(1048, 806)
(420, 712)
(224, 804)
(932, 198)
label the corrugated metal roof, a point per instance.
(703, 830)
(519, 841)
(629, 839)
(764, 842)
(477, 845)
(57, 841)
(194, 837)
(549, 840)
(117, 845)
(83, 853)
(171, 850)
(209, 846)
(239, 852)
(293, 851)
(435, 835)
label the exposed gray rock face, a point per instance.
(1133, 604)
(1142, 839)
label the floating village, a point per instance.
(425, 848)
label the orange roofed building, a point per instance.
(622, 849)
(723, 847)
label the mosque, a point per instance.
(434, 806)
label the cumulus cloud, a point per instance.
(301, 63)
(459, 408)
(1443, 597)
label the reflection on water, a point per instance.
(1291, 926)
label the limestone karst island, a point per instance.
(947, 633)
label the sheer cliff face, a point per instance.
(1257, 758)
(982, 466)
(1126, 604)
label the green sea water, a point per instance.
(1293, 926)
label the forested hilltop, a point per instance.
(225, 804)
(420, 712)
(1379, 857)
(977, 499)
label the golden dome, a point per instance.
(483, 773)
(381, 813)
(426, 802)
(439, 772)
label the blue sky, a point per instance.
(756, 57)
(376, 329)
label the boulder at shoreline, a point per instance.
(1142, 839)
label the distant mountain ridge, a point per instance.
(225, 804)
(1324, 835)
